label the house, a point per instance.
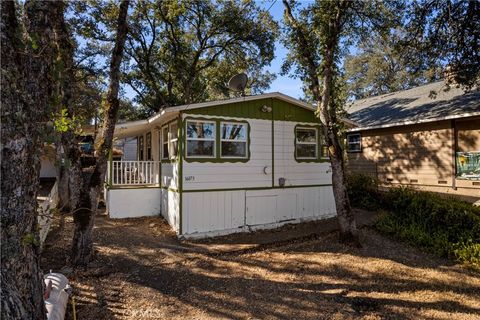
(224, 166)
(426, 137)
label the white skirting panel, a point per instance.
(222, 212)
(171, 208)
(132, 203)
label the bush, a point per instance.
(444, 225)
(363, 192)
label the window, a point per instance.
(173, 140)
(233, 138)
(169, 141)
(200, 139)
(165, 142)
(468, 165)
(306, 143)
(140, 148)
(149, 145)
(354, 142)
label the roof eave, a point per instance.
(411, 122)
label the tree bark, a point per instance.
(25, 98)
(327, 112)
(69, 169)
(94, 178)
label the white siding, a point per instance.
(295, 173)
(131, 203)
(213, 211)
(197, 176)
(223, 212)
(169, 175)
(171, 208)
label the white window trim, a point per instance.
(307, 143)
(170, 141)
(214, 139)
(359, 143)
(165, 141)
(233, 140)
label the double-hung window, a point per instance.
(165, 154)
(233, 140)
(149, 145)
(306, 143)
(169, 141)
(354, 142)
(173, 140)
(140, 148)
(200, 135)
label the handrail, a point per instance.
(124, 173)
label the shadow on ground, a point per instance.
(142, 271)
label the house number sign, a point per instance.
(189, 178)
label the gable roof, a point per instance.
(430, 102)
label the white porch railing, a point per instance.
(125, 173)
(45, 212)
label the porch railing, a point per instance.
(122, 173)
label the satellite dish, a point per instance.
(238, 82)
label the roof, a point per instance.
(135, 127)
(430, 102)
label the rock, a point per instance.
(151, 225)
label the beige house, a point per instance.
(426, 137)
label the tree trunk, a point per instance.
(328, 117)
(70, 169)
(326, 108)
(82, 245)
(26, 92)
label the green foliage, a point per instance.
(363, 192)
(64, 122)
(382, 65)
(30, 240)
(446, 226)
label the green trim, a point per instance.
(319, 145)
(170, 189)
(180, 172)
(217, 156)
(258, 188)
(281, 110)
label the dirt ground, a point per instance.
(141, 271)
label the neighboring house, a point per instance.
(224, 166)
(48, 169)
(128, 147)
(424, 137)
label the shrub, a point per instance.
(444, 225)
(363, 192)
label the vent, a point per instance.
(413, 180)
(475, 183)
(442, 181)
(389, 179)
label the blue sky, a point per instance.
(283, 84)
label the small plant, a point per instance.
(444, 225)
(363, 192)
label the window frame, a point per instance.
(319, 144)
(148, 146)
(170, 140)
(164, 141)
(215, 139)
(245, 124)
(347, 143)
(297, 143)
(141, 148)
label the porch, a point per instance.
(137, 173)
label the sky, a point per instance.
(283, 84)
